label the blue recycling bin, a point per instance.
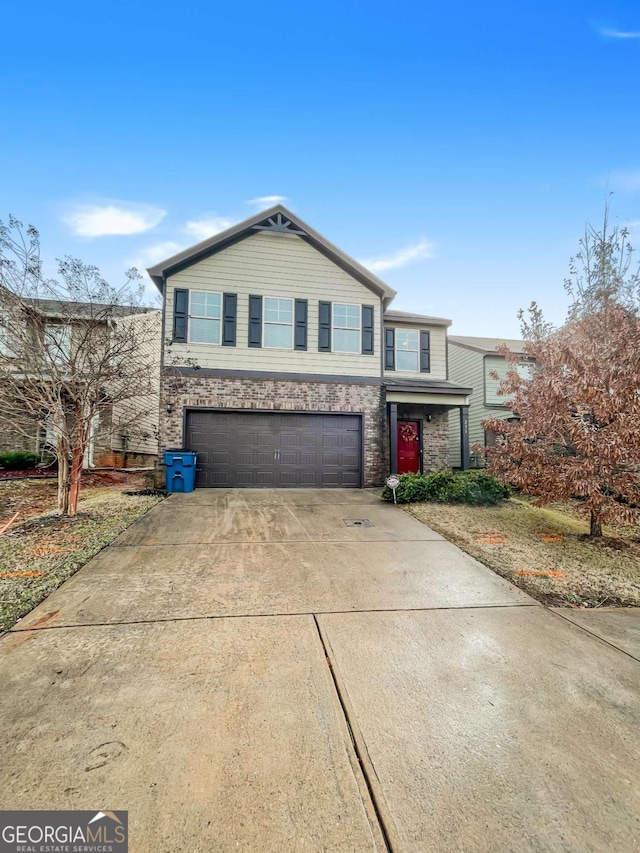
(180, 468)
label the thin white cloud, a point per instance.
(422, 249)
(625, 181)
(618, 34)
(112, 218)
(207, 226)
(152, 255)
(199, 229)
(267, 200)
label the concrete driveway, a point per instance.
(247, 670)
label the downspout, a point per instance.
(88, 460)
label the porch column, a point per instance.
(465, 460)
(393, 437)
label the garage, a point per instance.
(275, 449)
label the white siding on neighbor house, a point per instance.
(468, 367)
(273, 265)
(438, 354)
(138, 417)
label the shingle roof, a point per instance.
(69, 309)
(433, 386)
(417, 319)
(488, 345)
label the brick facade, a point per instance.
(435, 450)
(179, 391)
(28, 434)
(20, 434)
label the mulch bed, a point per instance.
(38, 473)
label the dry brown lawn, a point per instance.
(545, 551)
(41, 550)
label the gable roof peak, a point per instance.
(275, 219)
(280, 221)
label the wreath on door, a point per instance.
(408, 433)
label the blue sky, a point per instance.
(456, 148)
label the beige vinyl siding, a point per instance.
(438, 346)
(138, 417)
(429, 400)
(273, 265)
(468, 367)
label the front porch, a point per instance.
(418, 418)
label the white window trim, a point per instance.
(266, 322)
(346, 328)
(198, 317)
(417, 351)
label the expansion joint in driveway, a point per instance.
(383, 816)
(593, 634)
(292, 614)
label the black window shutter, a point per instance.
(425, 355)
(180, 314)
(389, 349)
(229, 312)
(300, 331)
(324, 327)
(367, 329)
(255, 321)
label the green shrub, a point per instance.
(410, 490)
(438, 485)
(18, 460)
(469, 487)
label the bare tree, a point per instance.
(70, 350)
(578, 433)
(603, 272)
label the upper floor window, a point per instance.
(346, 328)
(524, 369)
(12, 336)
(57, 340)
(407, 349)
(278, 323)
(4, 335)
(205, 310)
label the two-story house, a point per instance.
(476, 362)
(282, 364)
(123, 433)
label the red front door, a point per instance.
(408, 447)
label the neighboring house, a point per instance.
(135, 444)
(282, 364)
(472, 361)
(113, 440)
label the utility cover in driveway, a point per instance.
(276, 449)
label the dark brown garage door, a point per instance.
(274, 449)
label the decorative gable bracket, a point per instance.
(280, 224)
